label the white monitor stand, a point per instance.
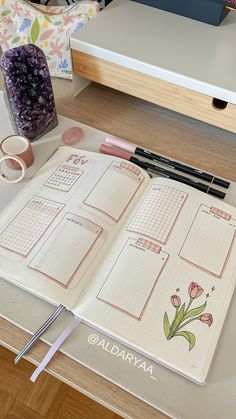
(173, 61)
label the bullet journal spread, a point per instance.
(149, 262)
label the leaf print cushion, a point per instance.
(46, 26)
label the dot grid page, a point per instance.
(29, 225)
(63, 178)
(157, 213)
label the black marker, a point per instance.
(134, 149)
(159, 170)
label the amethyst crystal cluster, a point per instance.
(28, 90)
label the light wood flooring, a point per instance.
(47, 398)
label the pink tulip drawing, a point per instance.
(207, 318)
(184, 315)
(175, 300)
(194, 290)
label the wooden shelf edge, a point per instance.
(154, 90)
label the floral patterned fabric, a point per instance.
(46, 26)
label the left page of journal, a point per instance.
(57, 231)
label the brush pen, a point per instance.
(159, 170)
(134, 149)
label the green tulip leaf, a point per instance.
(190, 338)
(166, 325)
(58, 23)
(35, 31)
(178, 319)
(195, 311)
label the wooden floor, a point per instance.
(47, 398)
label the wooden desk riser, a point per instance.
(171, 61)
(160, 92)
(169, 133)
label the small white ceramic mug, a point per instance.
(18, 154)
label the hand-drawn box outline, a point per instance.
(177, 216)
(200, 267)
(91, 206)
(86, 254)
(151, 291)
(33, 197)
(52, 174)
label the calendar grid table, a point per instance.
(64, 178)
(157, 213)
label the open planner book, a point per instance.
(150, 262)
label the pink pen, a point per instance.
(135, 149)
(147, 165)
(116, 152)
(123, 145)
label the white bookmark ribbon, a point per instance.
(63, 336)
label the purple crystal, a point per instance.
(29, 90)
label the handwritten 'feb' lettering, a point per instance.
(76, 159)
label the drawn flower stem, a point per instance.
(189, 321)
(189, 304)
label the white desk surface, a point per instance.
(170, 393)
(173, 48)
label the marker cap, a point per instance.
(115, 152)
(123, 145)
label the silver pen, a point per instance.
(39, 332)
